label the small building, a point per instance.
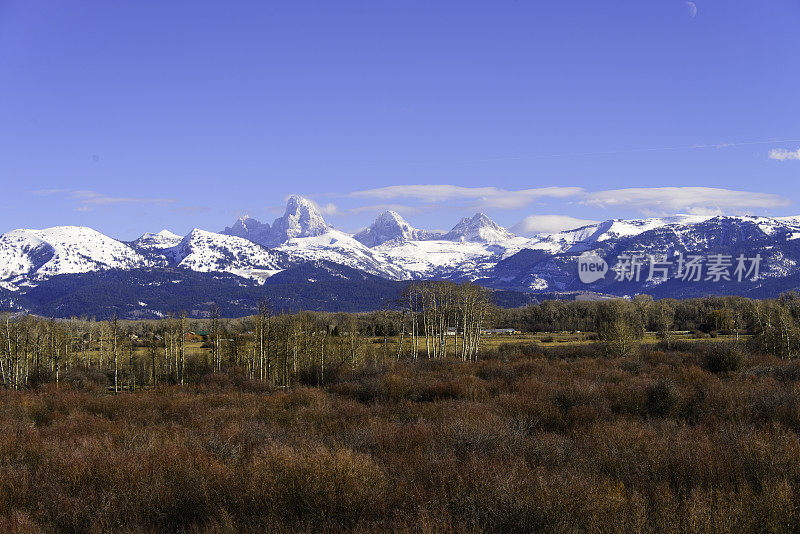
(195, 336)
(499, 332)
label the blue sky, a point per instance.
(140, 115)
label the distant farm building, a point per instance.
(195, 336)
(499, 332)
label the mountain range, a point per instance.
(299, 261)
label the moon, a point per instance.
(692, 7)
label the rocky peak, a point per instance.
(250, 228)
(302, 218)
(478, 228)
(388, 226)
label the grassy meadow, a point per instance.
(533, 437)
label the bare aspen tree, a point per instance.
(665, 320)
(114, 332)
(132, 377)
(447, 311)
(323, 332)
(29, 325)
(262, 339)
(55, 346)
(402, 333)
(355, 340)
(7, 349)
(216, 357)
(385, 327)
(296, 324)
(410, 301)
(153, 349)
(181, 366)
(100, 349)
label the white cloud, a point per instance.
(781, 154)
(329, 209)
(694, 200)
(86, 200)
(692, 8)
(534, 224)
(326, 209)
(479, 197)
(648, 201)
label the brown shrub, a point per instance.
(568, 443)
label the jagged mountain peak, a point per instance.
(478, 250)
(297, 202)
(478, 228)
(246, 221)
(388, 226)
(391, 216)
(250, 228)
(302, 218)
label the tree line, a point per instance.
(771, 325)
(432, 319)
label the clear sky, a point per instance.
(132, 116)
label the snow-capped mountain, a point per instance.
(444, 259)
(161, 240)
(476, 249)
(341, 248)
(614, 229)
(37, 254)
(389, 226)
(479, 229)
(211, 252)
(301, 219)
(29, 256)
(394, 249)
(550, 262)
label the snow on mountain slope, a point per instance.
(551, 261)
(79, 249)
(440, 257)
(341, 248)
(161, 240)
(475, 249)
(480, 229)
(21, 253)
(389, 226)
(612, 229)
(63, 250)
(211, 252)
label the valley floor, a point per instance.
(529, 439)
